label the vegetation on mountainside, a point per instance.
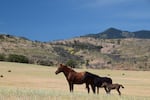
(127, 53)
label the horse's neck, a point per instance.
(67, 71)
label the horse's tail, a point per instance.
(121, 86)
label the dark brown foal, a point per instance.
(109, 87)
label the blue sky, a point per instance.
(47, 20)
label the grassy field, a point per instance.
(33, 82)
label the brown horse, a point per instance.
(74, 77)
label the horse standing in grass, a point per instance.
(100, 80)
(74, 77)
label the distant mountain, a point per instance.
(113, 33)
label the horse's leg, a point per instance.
(71, 87)
(119, 91)
(97, 90)
(87, 86)
(106, 90)
(93, 88)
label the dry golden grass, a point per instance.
(33, 81)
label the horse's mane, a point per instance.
(69, 68)
(91, 74)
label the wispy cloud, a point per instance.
(138, 11)
(132, 9)
(136, 15)
(104, 3)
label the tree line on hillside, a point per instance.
(77, 45)
(14, 58)
(23, 59)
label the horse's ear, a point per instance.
(61, 64)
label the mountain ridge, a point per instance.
(113, 33)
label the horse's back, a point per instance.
(88, 74)
(107, 80)
(98, 81)
(89, 77)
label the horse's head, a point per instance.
(104, 84)
(59, 69)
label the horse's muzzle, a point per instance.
(56, 72)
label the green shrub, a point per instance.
(17, 58)
(71, 63)
(45, 62)
(2, 57)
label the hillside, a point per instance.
(35, 51)
(126, 53)
(130, 54)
